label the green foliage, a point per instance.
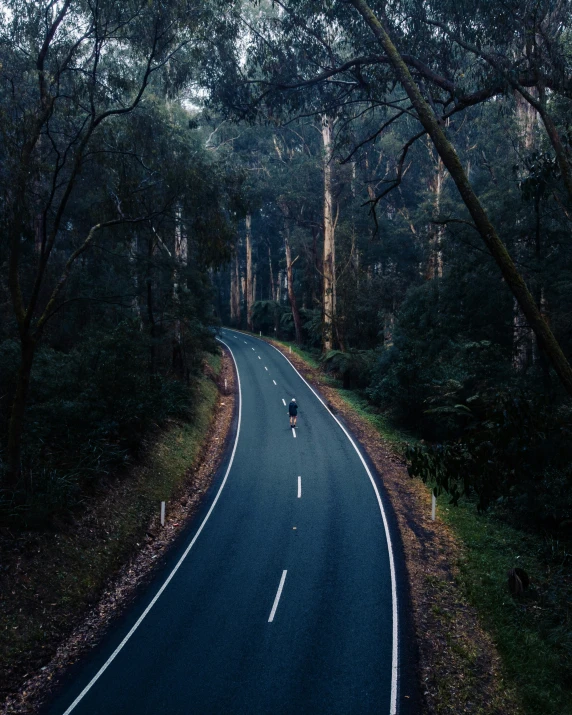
(311, 327)
(266, 315)
(439, 357)
(89, 413)
(515, 451)
(353, 367)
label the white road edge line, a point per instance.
(299, 487)
(274, 381)
(179, 562)
(277, 599)
(395, 642)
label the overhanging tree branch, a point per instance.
(452, 162)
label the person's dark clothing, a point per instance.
(293, 409)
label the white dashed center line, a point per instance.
(294, 433)
(284, 401)
(259, 357)
(299, 487)
(277, 599)
(266, 368)
(274, 381)
(254, 350)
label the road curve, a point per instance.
(283, 598)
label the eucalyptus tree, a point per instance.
(422, 63)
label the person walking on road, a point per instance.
(293, 412)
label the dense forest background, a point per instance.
(392, 190)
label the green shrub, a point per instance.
(515, 451)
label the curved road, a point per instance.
(283, 598)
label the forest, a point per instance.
(385, 185)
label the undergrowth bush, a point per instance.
(88, 414)
(515, 452)
(352, 367)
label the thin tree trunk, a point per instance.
(316, 270)
(150, 313)
(435, 267)
(16, 424)
(272, 292)
(181, 257)
(329, 262)
(136, 308)
(235, 289)
(481, 220)
(249, 294)
(291, 295)
(523, 339)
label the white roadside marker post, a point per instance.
(433, 505)
(162, 513)
(289, 348)
(225, 387)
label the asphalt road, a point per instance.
(284, 600)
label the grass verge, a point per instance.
(533, 633)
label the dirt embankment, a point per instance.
(459, 668)
(32, 563)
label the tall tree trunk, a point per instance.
(150, 313)
(16, 424)
(523, 339)
(181, 258)
(133, 251)
(316, 270)
(329, 262)
(291, 295)
(435, 266)
(235, 287)
(272, 290)
(480, 218)
(249, 292)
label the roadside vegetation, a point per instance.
(51, 578)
